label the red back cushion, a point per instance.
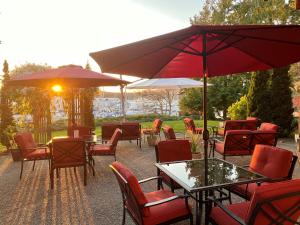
(189, 124)
(116, 137)
(132, 182)
(249, 124)
(268, 127)
(271, 161)
(157, 124)
(25, 142)
(174, 150)
(237, 140)
(268, 193)
(232, 125)
(169, 133)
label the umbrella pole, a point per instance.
(205, 132)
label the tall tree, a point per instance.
(7, 125)
(281, 104)
(259, 97)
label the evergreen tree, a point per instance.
(259, 97)
(281, 104)
(7, 125)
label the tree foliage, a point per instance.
(238, 110)
(259, 97)
(7, 125)
(281, 104)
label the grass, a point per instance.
(177, 125)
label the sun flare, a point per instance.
(57, 88)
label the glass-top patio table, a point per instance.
(191, 176)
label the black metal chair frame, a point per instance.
(124, 187)
(279, 219)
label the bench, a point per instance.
(130, 131)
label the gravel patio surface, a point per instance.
(31, 201)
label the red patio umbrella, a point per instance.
(205, 51)
(70, 76)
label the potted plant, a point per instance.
(9, 133)
(196, 143)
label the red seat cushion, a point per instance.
(270, 161)
(246, 190)
(40, 153)
(164, 212)
(268, 127)
(101, 149)
(221, 218)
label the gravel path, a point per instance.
(31, 201)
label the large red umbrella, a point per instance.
(205, 51)
(70, 76)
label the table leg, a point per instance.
(208, 206)
(199, 207)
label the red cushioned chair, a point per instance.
(267, 135)
(30, 151)
(108, 149)
(251, 123)
(67, 152)
(236, 142)
(190, 126)
(157, 207)
(169, 133)
(273, 162)
(82, 131)
(277, 203)
(172, 150)
(156, 126)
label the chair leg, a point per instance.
(52, 178)
(84, 174)
(49, 164)
(124, 215)
(191, 219)
(33, 165)
(21, 169)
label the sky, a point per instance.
(61, 32)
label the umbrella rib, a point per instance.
(187, 52)
(227, 46)
(196, 52)
(219, 43)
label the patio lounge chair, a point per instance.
(168, 151)
(190, 126)
(155, 130)
(273, 162)
(157, 207)
(30, 151)
(82, 131)
(67, 152)
(277, 203)
(169, 133)
(108, 149)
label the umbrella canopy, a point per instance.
(205, 51)
(70, 76)
(164, 83)
(227, 50)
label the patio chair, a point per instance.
(168, 151)
(67, 152)
(157, 207)
(277, 203)
(169, 133)
(155, 130)
(190, 126)
(82, 131)
(108, 149)
(273, 162)
(267, 135)
(30, 151)
(236, 142)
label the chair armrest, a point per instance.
(42, 145)
(227, 211)
(163, 201)
(149, 179)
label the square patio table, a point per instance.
(190, 175)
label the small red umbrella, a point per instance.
(68, 76)
(205, 51)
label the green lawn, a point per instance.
(177, 125)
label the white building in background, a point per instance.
(111, 107)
